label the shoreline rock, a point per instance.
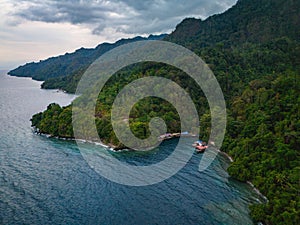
(164, 137)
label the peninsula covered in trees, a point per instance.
(254, 51)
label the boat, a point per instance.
(196, 143)
(201, 148)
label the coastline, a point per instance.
(257, 191)
(164, 137)
(110, 146)
(226, 155)
(248, 182)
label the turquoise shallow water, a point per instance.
(47, 181)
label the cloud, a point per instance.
(126, 16)
(34, 41)
(31, 30)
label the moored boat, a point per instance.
(201, 148)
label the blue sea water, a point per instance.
(47, 181)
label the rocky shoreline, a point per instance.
(164, 137)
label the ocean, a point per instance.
(47, 181)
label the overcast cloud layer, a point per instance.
(64, 25)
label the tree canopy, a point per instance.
(254, 51)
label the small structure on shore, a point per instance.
(174, 135)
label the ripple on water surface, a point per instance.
(46, 181)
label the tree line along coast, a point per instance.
(254, 51)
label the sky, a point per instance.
(33, 30)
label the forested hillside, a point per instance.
(71, 63)
(256, 21)
(264, 141)
(254, 51)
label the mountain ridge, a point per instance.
(255, 56)
(246, 21)
(70, 63)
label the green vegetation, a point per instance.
(263, 118)
(58, 72)
(254, 21)
(49, 121)
(265, 144)
(67, 83)
(254, 51)
(55, 121)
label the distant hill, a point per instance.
(254, 21)
(254, 51)
(249, 21)
(70, 63)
